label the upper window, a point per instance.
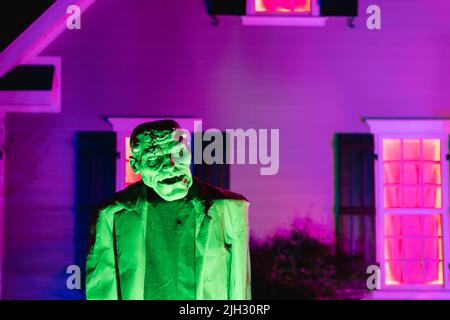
(283, 6)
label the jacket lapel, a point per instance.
(202, 205)
(132, 243)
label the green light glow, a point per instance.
(169, 242)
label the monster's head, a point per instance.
(162, 156)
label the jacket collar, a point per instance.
(137, 196)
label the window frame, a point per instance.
(411, 211)
(411, 129)
(407, 128)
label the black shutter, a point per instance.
(355, 195)
(95, 182)
(346, 8)
(217, 175)
(226, 7)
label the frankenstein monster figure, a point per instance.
(168, 236)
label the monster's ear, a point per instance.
(134, 164)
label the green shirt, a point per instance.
(170, 261)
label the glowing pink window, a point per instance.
(412, 176)
(130, 176)
(283, 6)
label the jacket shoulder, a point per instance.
(122, 199)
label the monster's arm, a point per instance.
(101, 280)
(239, 286)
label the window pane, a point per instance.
(411, 173)
(391, 173)
(411, 149)
(431, 248)
(392, 197)
(411, 225)
(431, 149)
(432, 173)
(392, 225)
(433, 273)
(413, 248)
(391, 149)
(393, 247)
(413, 272)
(394, 273)
(433, 197)
(413, 197)
(431, 225)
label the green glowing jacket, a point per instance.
(115, 265)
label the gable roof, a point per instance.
(39, 27)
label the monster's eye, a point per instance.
(152, 161)
(181, 153)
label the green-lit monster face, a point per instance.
(162, 156)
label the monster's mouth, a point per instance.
(172, 180)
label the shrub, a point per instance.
(298, 266)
